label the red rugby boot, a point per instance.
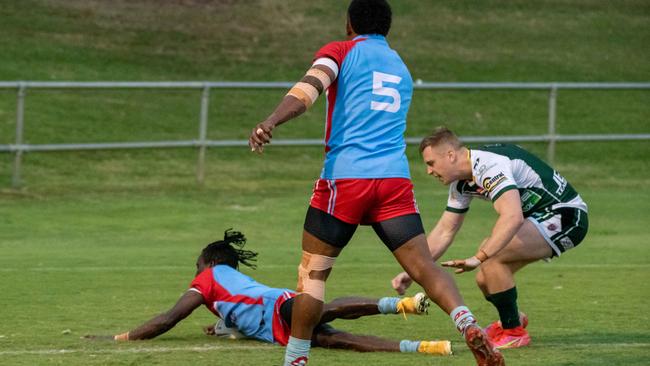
(483, 350)
(495, 329)
(512, 338)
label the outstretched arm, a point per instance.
(301, 96)
(508, 206)
(439, 240)
(510, 219)
(163, 322)
(443, 234)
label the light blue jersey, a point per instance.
(243, 303)
(366, 111)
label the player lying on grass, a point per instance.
(540, 216)
(264, 313)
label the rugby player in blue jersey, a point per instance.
(252, 310)
(365, 179)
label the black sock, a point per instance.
(506, 304)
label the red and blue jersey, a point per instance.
(243, 303)
(367, 106)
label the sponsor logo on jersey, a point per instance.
(553, 225)
(481, 170)
(490, 182)
(472, 189)
(476, 163)
(560, 181)
(528, 200)
(566, 243)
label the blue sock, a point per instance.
(388, 305)
(409, 346)
(297, 351)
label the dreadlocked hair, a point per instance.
(229, 251)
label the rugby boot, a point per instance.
(418, 304)
(441, 348)
(512, 338)
(480, 345)
(495, 329)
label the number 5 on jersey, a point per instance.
(378, 88)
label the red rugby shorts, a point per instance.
(364, 201)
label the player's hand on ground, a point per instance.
(401, 282)
(463, 265)
(260, 136)
(92, 337)
(209, 330)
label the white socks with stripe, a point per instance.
(297, 353)
(463, 318)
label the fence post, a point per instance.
(203, 131)
(552, 115)
(20, 120)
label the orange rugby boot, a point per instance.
(495, 329)
(483, 350)
(512, 338)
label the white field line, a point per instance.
(210, 348)
(189, 268)
(203, 348)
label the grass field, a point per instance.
(98, 242)
(107, 258)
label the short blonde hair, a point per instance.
(439, 136)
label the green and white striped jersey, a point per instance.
(497, 168)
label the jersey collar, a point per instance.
(370, 36)
(469, 159)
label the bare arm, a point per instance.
(317, 79)
(443, 234)
(439, 239)
(510, 219)
(508, 206)
(165, 321)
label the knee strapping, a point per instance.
(313, 262)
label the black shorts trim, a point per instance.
(286, 310)
(397, 231)
(328, 228)
(392, 232)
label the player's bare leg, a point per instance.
(329, 337)
(356, 307)
(333, 338)
(496, 280)
(414, 257)
(307, 310)
(416, 260)
(496, 274)
(308, 307)
(349, 308)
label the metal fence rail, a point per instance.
(202, 143)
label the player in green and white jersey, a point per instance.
(540, 215)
